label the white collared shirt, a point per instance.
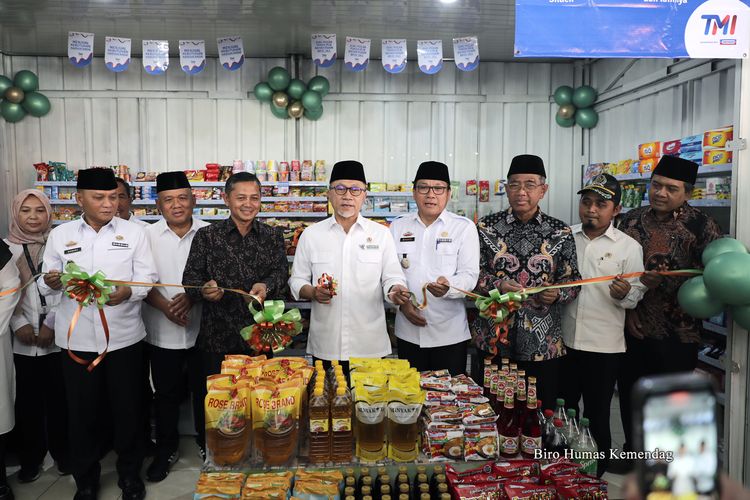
(29, 312)
(136, 220)
(448, 247)
(363, 262)
(170, 254)
(121, 251)
(595, 322)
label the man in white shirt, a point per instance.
(172, 320)
(360, 256)
(440, 249)
(125, 203)
(594, 323)
(99, 241)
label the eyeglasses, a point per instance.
(526, 186)
(424, 189)
(354, 190)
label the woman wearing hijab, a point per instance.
(41, 422)
(8, 280)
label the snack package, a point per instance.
(318, 485)
(484, 190)
(228, 422)
(443, 442)
(649, 150)
(320, 171)
(405, 401)
(219, 485)
(717, 157)
(526, 491)
(671, 148)
(695, 156)
(480, 442)
(717, 138)
(550, 471)
(439, 380)
(276, 413)
(268, 485)
(648, 165)
(471, 187)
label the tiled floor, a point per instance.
(181, 481)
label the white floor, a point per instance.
(181, 481)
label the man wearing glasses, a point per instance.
(522, 248)
(440, 249)
(359, 255)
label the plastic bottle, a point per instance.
(571, 430)
(556, 442)
(560, 411)
(320, 435)
(549, 424)
(364, 472)
(341, 426)
(531, 431)
(585, 449)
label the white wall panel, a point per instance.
(475, 122)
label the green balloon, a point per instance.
(26, 80)
(278, 78)
(279, 112)
(696, 301)
(263, 92)
(320, 85)
(36, 104)
(727, 277)
(5, 84)
(587, 118)
(720, 246)
(314, 114)
(296, 89)
(312, 100)
(564, 122)
(11, 112)
(563, 95)
(741, 315)
(584, 97)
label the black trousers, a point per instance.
(592, 375)
(175, 373)
(547, 375)
(448, 357)
(41, 413)
(120, 374)
(649, 357)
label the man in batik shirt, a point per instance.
(521, 248)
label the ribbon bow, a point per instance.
(273, 329)
(498, 308)
(86, 289)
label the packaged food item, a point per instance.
(443, 441)
(479, 414)
(480, 442)
(471, 187)
(219, 485)
(526, 491)
(320, 171)
(550, 471)
(276, 413)
(371, 398)
(377, 187)
(400, 206)
(268, 485)
(405, 401)
(484, 491)
(717, 138)
(484, 191)
(646, 166)
(671, 148)
(228, 422)
(318, 485)
(717, 157)
(307, 171)
(694, 156)
(649, 150)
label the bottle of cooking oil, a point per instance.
(364, 472)
(320, 435)
(342, 439)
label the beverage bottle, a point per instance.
(531, 431)
(350, 482)
(419, 478)
(349, 492)
(487, 376)
(502, 384)
(363, 473)
(521, 398)
(585, 448)
(320, 436)
(505, 364)
(556, 441)
(385, 491)
(494, 377)
(540, 412)
(507, 426)
(403, 488)
(366, 492)
(439, 482)
(403, 496)
(560, 411)
(421, 485)
(424, 490)
(571, 431)
(549, 424)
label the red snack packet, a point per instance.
(526, 491)
(550, 471)
(583, 491)
(517, 468)
(485, 491)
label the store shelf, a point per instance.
(703, 170)
(710, 361)
(62, 202)
(704, 203)
(390, 194)
(292, 215)
(721, 330)
(384, 215)
(56, 183)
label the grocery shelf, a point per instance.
(710, 361)
(385, 215)
(56, 183)
(309, 215)
(721, 330)
(705, 203)
(390, 194)
(703, 170)
(63, 202)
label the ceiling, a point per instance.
(270, 28)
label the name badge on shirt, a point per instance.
(72, 250)
(407, 236)
(120, 245)
(369, 247)
(444, 240)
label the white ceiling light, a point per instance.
(448, 1)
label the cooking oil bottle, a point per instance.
(342, 438)
(320, 435)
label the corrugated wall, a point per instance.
(475, 122)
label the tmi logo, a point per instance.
(714, 23)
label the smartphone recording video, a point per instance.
(678, 437)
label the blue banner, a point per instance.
(633, 28)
